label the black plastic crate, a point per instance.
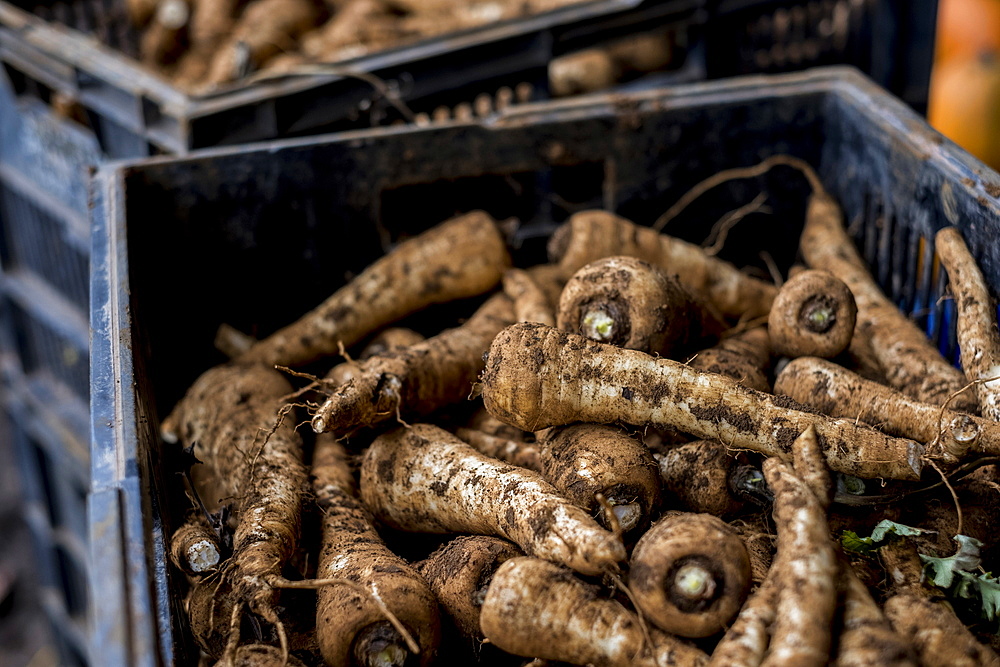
(53, 506)
(890, 40)
(44, 242)
(42, 55)
(250, 222)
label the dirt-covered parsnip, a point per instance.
(866, 637)
(482, 420)
(424, 479)
(551, 280)
(515, 452)
(977, 327)
(837, 391)
(211, 21)
(351, 25)
(758, 537)
(583, 71)
(462, 257)
(906, 356)
(630, 303)
(538, 609)
(745, 357)
(391, 339)
(140, 11)
(229, 417)
(745, 642)
(537, 376)
(924, 618)
(586, 460)
(810, 466)
(690, 574)
(806, 571)
(165, 38)
(860, 358)
(351, 627)
(417, 380)
(530, 302)
(813, 315)
(260, 655)
(460, 573)
(194, 547)
(265, 29)
(702, 477)
(591, 235)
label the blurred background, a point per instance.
(965, 82)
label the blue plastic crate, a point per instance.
(243, 221)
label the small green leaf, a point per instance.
(968, 556)
(942, 570)
(860, 545)
(886, 527)
(967, 586)
(989, 591)
(883, 530)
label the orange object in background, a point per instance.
(964, 100)
(966, 28)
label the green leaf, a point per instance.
(882, 532)
(965, 559)
(886, 527)
(860, 545)
(942, 570)
(989, 591)
(968, 556)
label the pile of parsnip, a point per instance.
(201, 44)
(634, 455)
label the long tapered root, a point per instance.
(363, 586)
(417, 380)
(538, 609)
(234, 420)
(425, 479)
(460, 573)
(530, 302)
(537, 377)
(806, 575)
(937, 635)
(745, 642)
(462, 257)
(593, 235)
(866, 637)
(977, 328)
(836, 391)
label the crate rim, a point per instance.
(845, 80)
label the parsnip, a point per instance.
(537, 377)
(423, 478)
(535, 608)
